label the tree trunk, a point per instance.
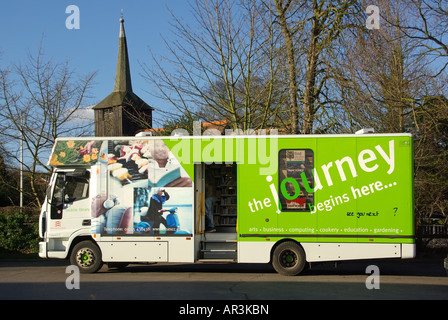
(290, 53)
(309, 95)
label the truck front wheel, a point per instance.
(288, 258)
(87, 257)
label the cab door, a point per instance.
(70, 204)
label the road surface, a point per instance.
(419, 279)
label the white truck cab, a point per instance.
(65, 215)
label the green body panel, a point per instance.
(364, 206)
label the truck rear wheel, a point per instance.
(288, 258)
(87, 257)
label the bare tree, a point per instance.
(283, 12)
(427, 25)
(310, 30)
(223, 66)
(40, 101)
(382, 75)
(431, 161)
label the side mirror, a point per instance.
(48, 194)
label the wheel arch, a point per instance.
(79, 239)
(282, 241)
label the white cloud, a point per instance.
(84, 114)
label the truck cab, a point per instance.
(65, 215)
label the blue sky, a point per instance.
(94, 46)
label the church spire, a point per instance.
(123, 74)
(122, 112)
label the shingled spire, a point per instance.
(121, 112)
(123, 74)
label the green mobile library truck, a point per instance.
(254, 198)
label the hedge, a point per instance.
(19, 230)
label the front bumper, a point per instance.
(43, 250)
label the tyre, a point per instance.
(288, 258)
(87, 257)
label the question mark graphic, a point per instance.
(396, 209)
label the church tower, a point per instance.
(122, 113)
